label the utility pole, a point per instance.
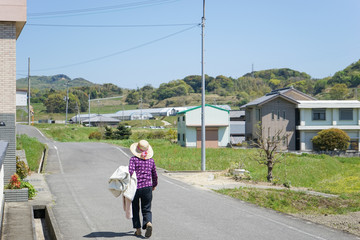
(89, 109)
(29, 112)
(141, 107)
(67, 100)
(203, 138)
(252, 70)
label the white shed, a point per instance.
(217, 124)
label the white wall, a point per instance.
(191, 137)
(224, 136)
(332, 118)
(213, 116)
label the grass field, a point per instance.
(322, 173)
(33, 150)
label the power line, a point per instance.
(119, 52)
(110, 26)
(101, 9)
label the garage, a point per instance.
(211, 138)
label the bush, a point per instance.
(14, 182)
(122, 132)
(331, 139)
(95, 135)
(22, 170)
(31, 190)
(109, 133)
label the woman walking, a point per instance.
(147, 180)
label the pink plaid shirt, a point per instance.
(145, 172)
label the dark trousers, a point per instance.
(143, 195)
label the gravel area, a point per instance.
(347, 222)
(217, 180)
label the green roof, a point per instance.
(208, 105)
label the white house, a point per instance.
(319, 115)
(217, 122)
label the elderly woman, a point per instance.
(147, 180)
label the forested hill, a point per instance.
(220, 89)
(57, 82)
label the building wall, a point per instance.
(190, 137)
(278, 108)
(224, 136)
(8, 93)
(249, 125)
(306, 136)
(213, 116)
(332, 118)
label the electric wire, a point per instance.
(117, 53)
(104, 9)
(110, 26)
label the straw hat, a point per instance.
(142, 149)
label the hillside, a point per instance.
(219, 90)
(57, 82)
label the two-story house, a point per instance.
(300, 117)
(319, 115)
(276, 111)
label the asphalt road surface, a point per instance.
(77, 175)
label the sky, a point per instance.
(132, 43)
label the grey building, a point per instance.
(276, 111)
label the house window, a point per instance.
(184, 137)
(272, 115)
(284, 115)
(178, 119)
(319, 114)
(179, 137)
(184, 118)
(278, 114)
(346, 114)
(354, 144)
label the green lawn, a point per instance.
(322, 173)
(33, 150)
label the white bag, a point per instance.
(119, 181)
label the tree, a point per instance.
(331, 139)
(133, 97)
(268, 153)
(109, 133)
(339, 91)
(56, 103)
(122, 132)
(83, 100)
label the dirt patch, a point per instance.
(217, 180)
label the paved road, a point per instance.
(77, 175)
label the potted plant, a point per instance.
(18, 189)
(13, 191)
